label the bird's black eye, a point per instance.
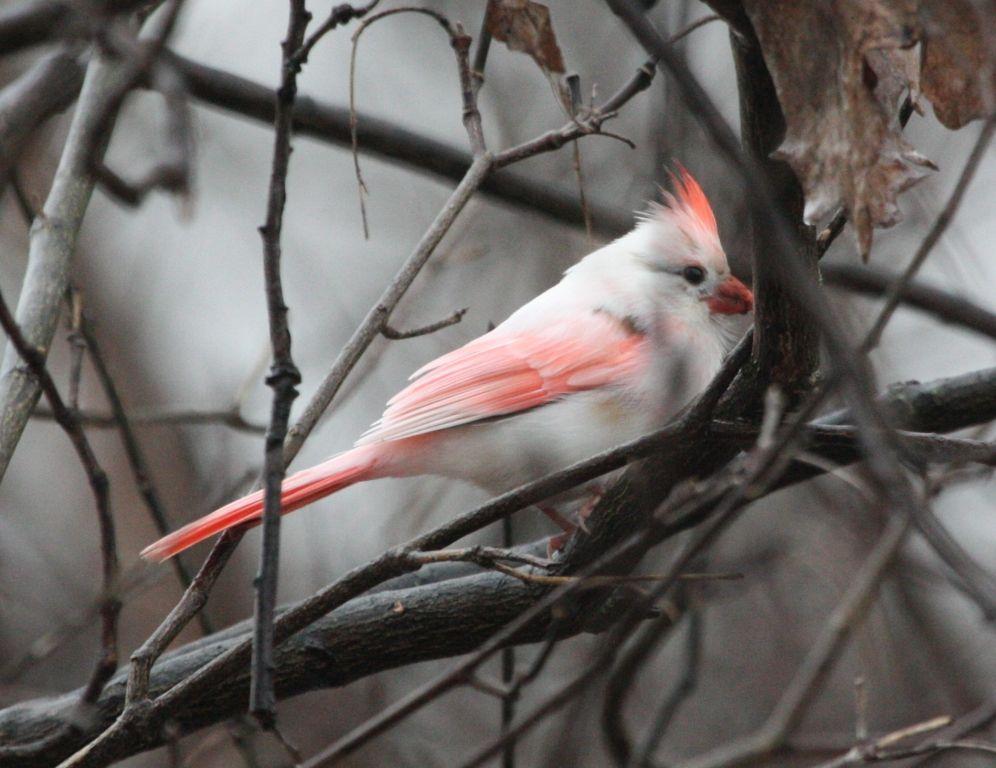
(693, 275)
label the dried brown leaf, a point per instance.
(525, 26)
(838, 69)
(959, 59)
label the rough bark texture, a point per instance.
(786, 343)
(398, 627)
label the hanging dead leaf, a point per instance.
(897, 71)
(525, 26)
(959, 59)
(841, 69)
(838, 69)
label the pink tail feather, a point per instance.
(298, 490)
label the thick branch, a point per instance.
(372, 633)
(786, 343)
(381, 138)
(47, 87)
(53, 240)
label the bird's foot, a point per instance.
(589, 505)
(568, 528)
(557, 542)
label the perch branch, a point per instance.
(367, 635)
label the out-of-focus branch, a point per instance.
(392, 142)
(155, 417)
(36, 21)
(890, 749)
(423, 627)
(894, 294)
(34, 360)
(47, 87)
(945, 306)
(818, 662)
(52, 243)
(133, 451)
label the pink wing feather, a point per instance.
(506, 371)
(500, 373)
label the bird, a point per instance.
(627, 337)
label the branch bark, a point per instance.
(370, 634)
(283, 378)
(52, 243)
(47, 87)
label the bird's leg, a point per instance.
(597, 491)
(557, 542)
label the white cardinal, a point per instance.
(609, 354)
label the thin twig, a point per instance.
(483, 47)
(810, 675)
(282, 379)
(111, 605)
(884, 749)
(133, 451)
(390, 332)
(166, 417)
(338, 16)
(944, 218)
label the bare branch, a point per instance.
(110, 604)
(52, 242)
(487, 602)
(155, 417)
(133, 451)
(391, 333)
(46, 88)
(945, 306)
(283, 378)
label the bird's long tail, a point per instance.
(297, 491)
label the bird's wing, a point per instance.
(507, 371)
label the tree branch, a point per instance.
(110, 602)
(46, 88)
(945, 306)
(283, 378)
(52, 243)
(367, 634)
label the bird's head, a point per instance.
(677, 241)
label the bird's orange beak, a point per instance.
(731, 297)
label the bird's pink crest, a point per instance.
(687, 210)
(689, 199)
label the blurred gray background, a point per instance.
(177, 297)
